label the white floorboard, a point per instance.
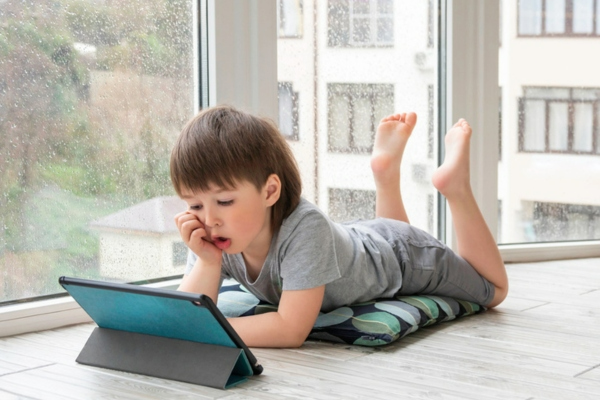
(543, 342)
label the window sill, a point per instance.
(49, 314)
(549, 251)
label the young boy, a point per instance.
(247, 221)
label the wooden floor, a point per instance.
(542, 343)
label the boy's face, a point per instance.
(235, 220)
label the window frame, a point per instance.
(246, 78)
(568, 22)
(373, 17)
(467, 77)
(571, 102)
(287, 85)
(363, 90)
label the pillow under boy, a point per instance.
(372, 323)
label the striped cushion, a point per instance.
(373, 323)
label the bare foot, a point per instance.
(390, 140)
(452, 178)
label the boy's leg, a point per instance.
(390, 140)
(474, 239)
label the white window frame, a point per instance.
(472, 92)
(242, 70)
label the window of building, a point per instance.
(351, 204)
(559, 120)
(559, 18)
(290, 16)
(355, 110)
(360, 23)
(559, 222)
(288, 111)
(180, 251)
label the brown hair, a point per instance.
(222, 145)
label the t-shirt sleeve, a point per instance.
(308, 258)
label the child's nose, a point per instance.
(211, 219)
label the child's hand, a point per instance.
(194, 235)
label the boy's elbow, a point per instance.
(296, 337)
(500, 294)
(296, 341)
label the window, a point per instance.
(288, 111)
(360, 23)
(180, 252)
(559, 120)
(554, 221)
(290, 15)
(92, 95)
(559, 18)
(351, 204)
(354, 113)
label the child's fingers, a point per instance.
(188, 227)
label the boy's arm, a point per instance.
(289, 326)
(203, 278)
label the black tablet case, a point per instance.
(161, 333)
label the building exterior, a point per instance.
(549, 172)
(343, 64)
(142, 241)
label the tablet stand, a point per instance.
(193, 362)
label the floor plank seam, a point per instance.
(18, 395)
(26, 370)
(536, 306)
(586, 371)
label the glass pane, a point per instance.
(338, 23)
(555, 16)
(549, 191)
(332, 86)
(530, 17)
(384, 105)
(385, 6)
(385, 30)
(339, 122)
(535, 125)
(95, 93)
(583, 120)
(286, 109)
(361, 128)
(547, 93)
(583, 16)
(361, 6)
(290, 15)
(348, 204)
(558, 126)
(361, 29)
(586, 94)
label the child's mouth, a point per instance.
(221, 242)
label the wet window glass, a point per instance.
(92, 96)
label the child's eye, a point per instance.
(195, 208)
(225, 203)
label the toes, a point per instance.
(411, 119)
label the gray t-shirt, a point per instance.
(354, 261)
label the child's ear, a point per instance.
(272, 189)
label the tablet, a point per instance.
(156, 312)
